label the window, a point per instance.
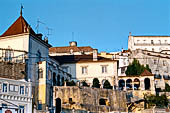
(154, 61)
(39, 55)
(8, 55)
(159, 41)
(84, 70)
(22, 90)
(4, 87)
(122, 70)
(40, 73)
(152, 42)
(104, 69)
(21, 109)
(49, 74)
(11, 87)
(16, 88)
(164, 63)
(26, 90)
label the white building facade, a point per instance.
(15, 96)
(150, 43)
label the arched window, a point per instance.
(54, 78)
(129, 84)
(121, 84)
(39, 55)
(136, 84)
(147, 83)
(58, 105)
(58, 80)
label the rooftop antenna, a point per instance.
(72, 36)
(48, 31)
(21, 10)
(38, 24)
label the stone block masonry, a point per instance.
(89, 99)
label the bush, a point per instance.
(158, 101)
(107, 85)
(84, 84)
(96, 83)
(70, 83)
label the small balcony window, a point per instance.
(4, 88)
(22, 90)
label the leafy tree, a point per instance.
(158, 101)
(107, 85)
(135, 68)
(84, 84)
(96, 83)
(70, 83)
(167, 88)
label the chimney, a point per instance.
(73, 43)
(39, 36)
(95, 54)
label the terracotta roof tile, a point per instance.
(18, 27)
(146, 73)
(68, 48)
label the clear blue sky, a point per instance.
(102, 24)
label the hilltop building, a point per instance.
(150, 43)
(32, 50)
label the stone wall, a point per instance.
(86, 98)
(12, 70)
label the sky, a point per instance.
(101, 24)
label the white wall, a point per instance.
(159, 43)
(94, 70)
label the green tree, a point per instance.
(70, 83)
(135, 68)
(107, 85)
(84, 84)
(167, 88)
(158, 101)
(96, 83)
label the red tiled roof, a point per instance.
(146, 73)
(68, 48)
(18, 27)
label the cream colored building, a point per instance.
(150, 43)
(88, 67)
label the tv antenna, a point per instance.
(48, 31)
(72, 36)
(38, 24)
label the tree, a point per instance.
(135, 68)
(167, 88)
(70, 83)
(158, 101)
(84, 84)
(96, 83)
(107, 85)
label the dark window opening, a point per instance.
(58, 105)
(102, 101)
(147, 83)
